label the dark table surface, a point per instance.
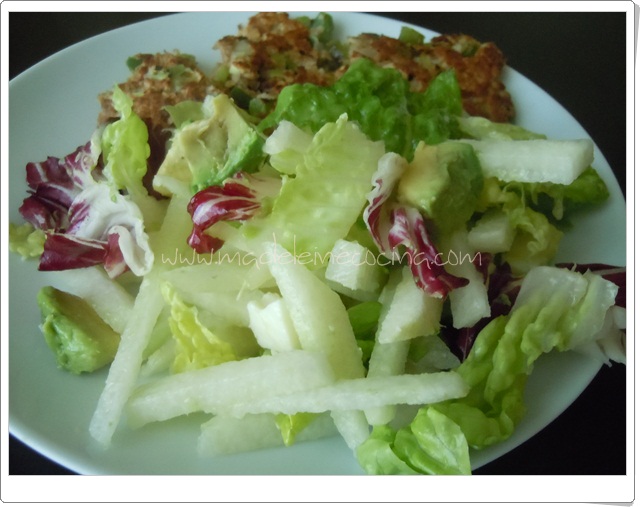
(579, 59)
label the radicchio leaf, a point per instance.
(103, 229)
(390, 169)
(393, 225)
(238, 199)
(54, 184)
(409, 230)
(62, 252)
(85, 224)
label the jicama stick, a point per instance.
(387, 359)
(318, 314)
(217, 388)
(124, 370)
(361, 394)
(107, 297)
(224, 434)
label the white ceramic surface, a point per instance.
(53, 109)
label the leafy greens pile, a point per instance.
(450, 224)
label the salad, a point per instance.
(417, 274)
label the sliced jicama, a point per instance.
(124, 370)
(318, 314)
(387, 359)
(360, 394)
(470, 303)
(353, 270)
(111, 301)
(322, 324)
(352, 426)
(224, 434)
(271, 323)
(493, 233)
(217, 388)
(410, 312)
(160, 360)
(534, 160)
(226, 270)
(229, 307)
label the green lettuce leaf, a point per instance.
(292, 424)
(196, 345)
(125, 150)
(536, 238)
(556, 309)
(379, 101)
(324, 199)
(26, 240)
(432, 444)
(364, 319)
(125, 146)
(560, 202)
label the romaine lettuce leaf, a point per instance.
(325, 198)
(196, 345)
(560, 202)
(124, 145)
(536, 239)
(556, 309)
(380, 102)
(26, 240)
(291, 425)
(432, 444)
(125, 150)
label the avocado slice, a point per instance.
(216, 144)
(443, 182)
(79, 338)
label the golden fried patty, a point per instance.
(478, 67)
(158, 80)
(269, 53)
(273, 51)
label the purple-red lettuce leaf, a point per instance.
(399, 230)
(237, 199)
(410, 231)
(100, 222)
(84, 222)
(54, 184)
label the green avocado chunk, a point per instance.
(212, 147)
(79, 338)
(443, 182)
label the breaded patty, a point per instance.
(273, 51)
(478, 67)
(158, 80)
(269, 53)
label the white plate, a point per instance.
(52, 112)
